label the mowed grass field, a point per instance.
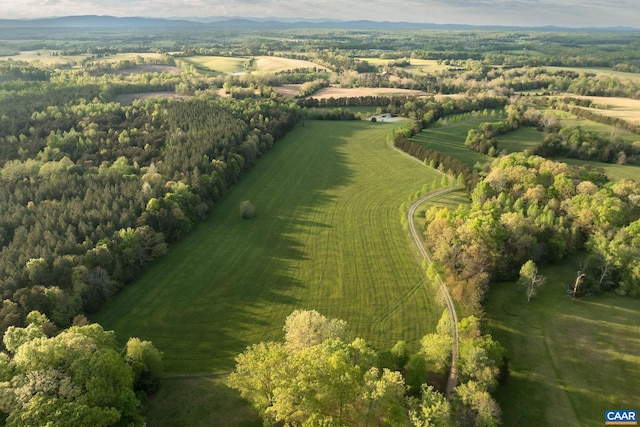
(232, 65)
(417, 66)
(217, 64)
(449, 139)
(327, 235)
(570, 360)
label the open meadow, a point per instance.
(236, 64)
(570, 360)
(598, 71)
(416, 66)
(327, 235)
(622, 108)
(448, 136)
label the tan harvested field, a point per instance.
(418, 66)
(288, 91)
(338, 92)
(132, 56)
(599, 72)
(623, 108)
(274, 64)
(46, 57)
(129, 98)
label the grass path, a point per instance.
(327, 236)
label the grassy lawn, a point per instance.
(570, 360)
(450, 139)
(613, 172)
(327, 235)
(524, 138)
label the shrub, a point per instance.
(247, 210)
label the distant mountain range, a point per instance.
(241, 23)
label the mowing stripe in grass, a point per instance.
(326, 236)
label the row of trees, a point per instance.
(318, 376)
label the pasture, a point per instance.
(613, 172)
(217, 64)
(340, 92)
(417, 66)
(568, 119)
(522, 139)
(570, 360)
(47, 57)
(622, 108)
(448, 136)
(327, 235)
(598, 72)
(236, 64)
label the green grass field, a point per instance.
(217, 64)
(568, 119)
(570, 360)
(613, 172)
(450, 139)
(327, 236)
(524, 138)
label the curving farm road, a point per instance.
(453, 373)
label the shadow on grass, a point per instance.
(232, 282)
(199, 402)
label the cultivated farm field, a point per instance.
(327, 235)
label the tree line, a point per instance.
(91, 192)
(321, 376)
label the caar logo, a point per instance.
(621, 418)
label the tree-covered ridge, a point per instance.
(91, 192)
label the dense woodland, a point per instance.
(92, 190)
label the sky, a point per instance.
(566, 13)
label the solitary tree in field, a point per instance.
(530, 278)
(247, 210)
(305, 328)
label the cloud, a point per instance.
(500, 12)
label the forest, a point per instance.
(113, 150)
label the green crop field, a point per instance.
(570, 360)
(327, 236)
